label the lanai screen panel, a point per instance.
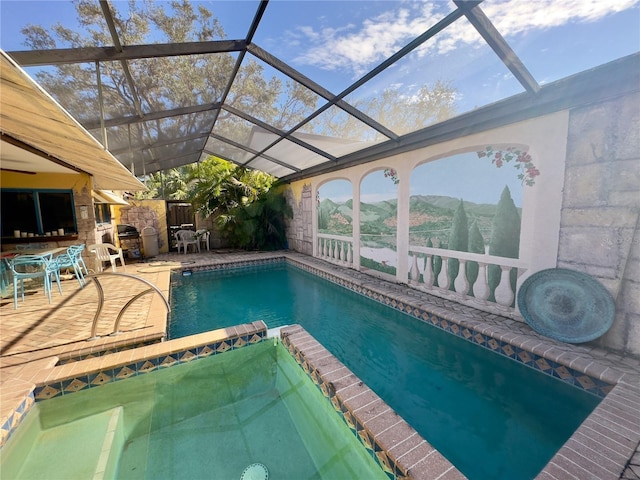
(339, 76)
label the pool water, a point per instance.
(210, 418)
(492, 417)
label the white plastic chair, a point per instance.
(103, 253)
(203, 236)
(184, 238)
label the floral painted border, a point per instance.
(522, 159)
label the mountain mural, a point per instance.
(430, 216)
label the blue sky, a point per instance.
(461, 176)
(338, 41)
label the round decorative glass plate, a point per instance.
(566, 305)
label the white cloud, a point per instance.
(357, 48)
(512, 17)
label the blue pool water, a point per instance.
(492, 417)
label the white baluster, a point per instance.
(320, 247)
(415, 272)
(335, 254)
(427, 275)
(349, 254)
(342, 252)
(461, 282)
(443, 278)
(504, 294)
(481, 286)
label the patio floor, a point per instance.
(38, 337)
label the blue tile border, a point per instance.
(566, 374)
(122, 372)
(377, 452)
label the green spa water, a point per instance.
(492, 417)
(210, 418)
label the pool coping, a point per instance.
(398, 448)
(602, 447)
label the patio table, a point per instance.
(6, 280)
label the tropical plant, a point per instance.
(217, 186)
(259, 225)
(172, 184)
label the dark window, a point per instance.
(37, 211)
(103, 213)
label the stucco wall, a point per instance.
(582, 214)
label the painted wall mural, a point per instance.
(468, 202)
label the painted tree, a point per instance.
(458, 240)
(436, 263)
(505, 238)
(476, 245)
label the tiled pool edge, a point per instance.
(537, 355)
(395, 445)
(93, 372)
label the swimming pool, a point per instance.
(490, 416)
(209, 418)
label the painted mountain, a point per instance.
(430, 216)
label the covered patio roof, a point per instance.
(267, 100)
(40, 136)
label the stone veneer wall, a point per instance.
(599, 214)
(599, 223)
(300, 227)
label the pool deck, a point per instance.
(41, 343)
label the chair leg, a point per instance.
(82, 265)
(78, 271)
(56, 275)
(15, 293)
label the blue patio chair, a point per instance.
(69, 260)
(30, 267)
(77, 251)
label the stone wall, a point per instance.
(300, 227)
(599, 224)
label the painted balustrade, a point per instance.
(460, 289)
(337, 249)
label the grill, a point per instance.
(127, 232)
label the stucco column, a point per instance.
(402, 229)
(355, 220)
(314, 217)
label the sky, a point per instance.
(337, 41)
(463, 176)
